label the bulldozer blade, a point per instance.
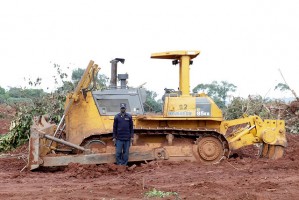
(33, 158)
(36, 159)
(93, 158)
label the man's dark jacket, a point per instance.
(123, 127)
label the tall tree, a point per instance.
(285, 87)
(217, 91)
(2, 90)
(76, 75)
(102, 81)
(3, 95)
(16, 92)
(151, 104)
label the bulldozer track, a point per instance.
(209, 150)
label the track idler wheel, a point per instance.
(272, 151)
(96, 146)
(210, 150)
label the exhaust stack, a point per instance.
(113, 80)
(123, 80)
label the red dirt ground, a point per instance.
(244, 177)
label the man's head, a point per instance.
(123, 107)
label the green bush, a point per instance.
(19, 132)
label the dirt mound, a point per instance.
(12, 163)
(93, 171)
(14, 160)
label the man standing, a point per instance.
(122, 135)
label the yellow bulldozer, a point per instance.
(190, 127)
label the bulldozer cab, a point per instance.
(108, 101)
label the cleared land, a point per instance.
(243, 177)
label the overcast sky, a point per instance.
(242, 42)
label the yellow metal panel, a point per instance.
(175, 54)
(179, 107)
(184, 70)
(84, 120)
(246, 140)
(185, 107)
(160, 118)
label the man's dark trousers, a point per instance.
(122, 151)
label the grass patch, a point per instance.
(161, 194)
